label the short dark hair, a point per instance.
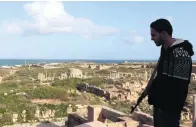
(162, 25)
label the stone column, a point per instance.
(24, 115)
(69, 109)
(194, 111)
(15, 118)
(145, 75)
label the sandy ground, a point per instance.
(46, 101)
(53, 124)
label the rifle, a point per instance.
(145, 92)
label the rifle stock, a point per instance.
(145, 92)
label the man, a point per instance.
(168, 91)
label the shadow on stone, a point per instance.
(194, 124)
(48, 124)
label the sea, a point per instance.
(12, 62)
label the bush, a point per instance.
(6, 119)
(122, 69)
(103, 72)
(48, 92)
(67, 83)
(72, 82)
(60, 110)
(13, 103)
(94, 81)
(7, 86)
(122, 106)
(30, 112)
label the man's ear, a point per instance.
(164, 33)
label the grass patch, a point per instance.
(67, 83)
(103, 72)
(48, 92)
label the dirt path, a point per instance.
(46, 101)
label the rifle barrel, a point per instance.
(145, 92)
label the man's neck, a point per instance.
(168, 43)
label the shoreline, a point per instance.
(7, 63)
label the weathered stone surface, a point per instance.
(143, 118)
(110, 118)
(15, 118)
(92, 89)
(75, 119)
(145, 125)
(74, 73)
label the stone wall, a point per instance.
(74, 73)
(75, 119)
(148, 119)
(94, 90)
(39, 115)
(143, 118)
(117, 75)
(110, 117)
(193, 76)
(45, 77)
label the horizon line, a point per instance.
(67, 59)
(78, 59)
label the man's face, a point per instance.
(156, 37)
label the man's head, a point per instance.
(161, 31)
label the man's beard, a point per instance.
(159, 43)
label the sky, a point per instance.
(89, 30)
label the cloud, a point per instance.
(51, 17)
(138, 39)
(133, 37)
(12, 28)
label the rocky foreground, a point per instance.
(40, 124)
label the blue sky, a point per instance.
(89, 30)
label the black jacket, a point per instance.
(170, 87)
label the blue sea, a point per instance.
(12, 62)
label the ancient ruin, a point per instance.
(107, 117)
(94, 90)
(117, 86)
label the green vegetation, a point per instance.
(103, 72)
(94, 81)
(6, 119)
(48, 92)
(122, 106)
(123, 69)
(7, 86)
(67, 83)
(60, 110)
(12, 103)
(72, 82)
(145, 107)
(16, 96)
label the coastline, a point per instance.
(20, 62)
